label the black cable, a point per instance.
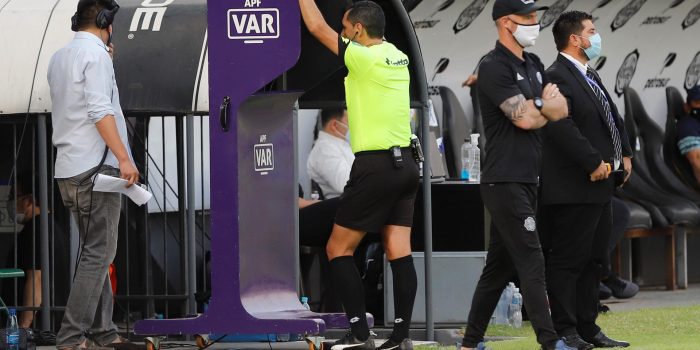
(166, 183)
(92, 174)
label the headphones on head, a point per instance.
(103, 19)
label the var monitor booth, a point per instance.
(246, 63)
(261, 62)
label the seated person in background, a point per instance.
(23, 208)
(688, 128)
(611, 284)
(331, 157)
(316, 220)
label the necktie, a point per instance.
(610, 121)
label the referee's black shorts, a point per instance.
(378, 193)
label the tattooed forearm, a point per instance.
(514, 107)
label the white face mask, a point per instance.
(526, 35)
(347, 134)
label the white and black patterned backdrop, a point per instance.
(647, 44)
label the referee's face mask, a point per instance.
(526, 31)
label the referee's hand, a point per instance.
(129, 172)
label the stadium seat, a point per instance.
(640, 226)
(653, 150)
(644, 189)
(478, 121)
(456, 128)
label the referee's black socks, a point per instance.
(348, 284)
(405, 284)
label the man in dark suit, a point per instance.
(582, 155)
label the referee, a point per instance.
(380, 193)
(516, 100)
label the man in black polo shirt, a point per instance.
(515, 100)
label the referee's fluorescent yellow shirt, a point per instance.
(377, 96)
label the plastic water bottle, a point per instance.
(466, 165)
(305, 303)
(12, 330)
(474, 159)
(515, 316)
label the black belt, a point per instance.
(382, 151)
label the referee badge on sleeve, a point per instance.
(530, 224)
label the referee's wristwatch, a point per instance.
(538, 103)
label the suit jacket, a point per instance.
(574, 147)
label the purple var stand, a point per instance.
(251, 42)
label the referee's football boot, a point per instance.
(391, 344)
(350, 342)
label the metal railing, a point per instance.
(160, 262)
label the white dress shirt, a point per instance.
(583, 68)
(329, 164)
(83, 91)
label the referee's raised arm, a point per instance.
(317, 25)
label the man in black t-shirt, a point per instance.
(516, 100)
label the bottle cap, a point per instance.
(12, 312)
(475, 138)
(304, 300)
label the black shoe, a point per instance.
(390, 344)
(575, 341)
(350, 342)
(604, 292)
(620, 288)
(602, 341)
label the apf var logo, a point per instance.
(253, 24)
(264, 156)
